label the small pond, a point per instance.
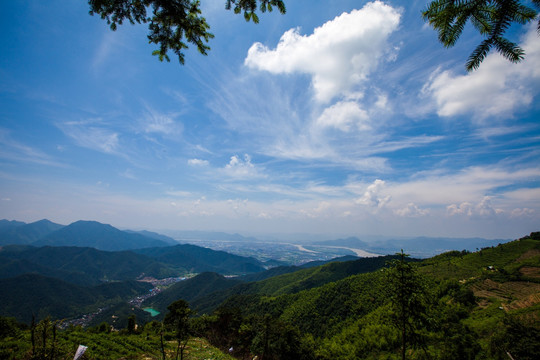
(152, 312)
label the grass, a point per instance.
(108, 346)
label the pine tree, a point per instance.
(407, 297)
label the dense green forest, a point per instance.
(457, 305)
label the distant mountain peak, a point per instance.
(88, 233)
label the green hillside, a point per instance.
(103, 344)
(290, 283)
(472, 298)
(117, 316)
(81, 265)
(474, 305)
(196, 259)
(200, 286)
(505, 261)
(313, 277)
(32, 294)
(14, 267)
(280, 270)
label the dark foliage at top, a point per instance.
(490, 18)
(174, 24)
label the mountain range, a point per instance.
(40, 274)
(80, 233)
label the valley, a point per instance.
(309, 300)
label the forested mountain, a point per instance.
(14, 267)
(154, 235)
(197, 259)
(12, 232)
(9, 224)
(32, 294)
(289, 283)
(80, 233)
(198, 287)
(99, 236)
(81, 265)
(280, 270)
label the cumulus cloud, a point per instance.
(198, 162)
(372, 196)
(522, 212)
(241, 169)
(465, 208)
(237, 205)
(483, 209)
(497, 88)
(339, 55)
(411, 210)
(344, 115)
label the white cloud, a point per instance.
(90, 136)
(157, 122)
(372, 196)
(128, 174)
(497, 88)
(411, 210)
(339, 55)
(495, 131)
(178, 193)
(237, 205)
(486, 209)
(525, 196)
(464, 208)
(343, 115)
(109, 42)
(241, 169)
(321, 210)
(466, 186)
(198, 162)
(13, 150)
(483, 209)
(523, 212)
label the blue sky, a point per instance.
(340, 118)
